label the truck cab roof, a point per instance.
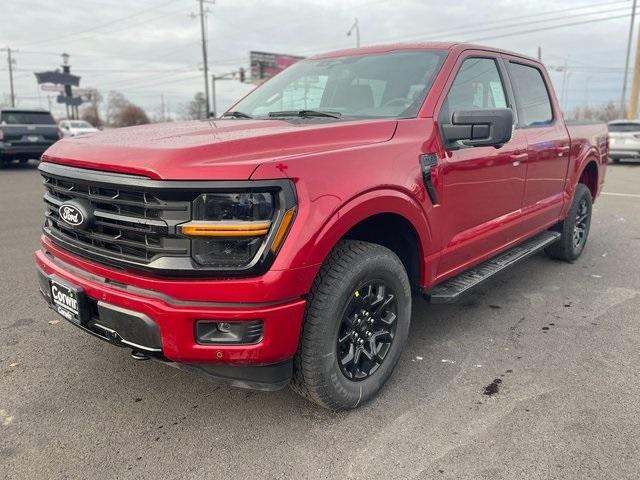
(449, 46)
(24, 110)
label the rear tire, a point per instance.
(360, 302)
(574, 229)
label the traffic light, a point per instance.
(241, 74)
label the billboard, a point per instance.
(57, 77)
(265, 65)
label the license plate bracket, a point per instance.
(69, 301)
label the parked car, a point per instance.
(624, 140)
(282, 243)
(72, 128)
(25, 134)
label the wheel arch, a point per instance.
(589, 176)
(386, 217)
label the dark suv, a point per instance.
(26, 134)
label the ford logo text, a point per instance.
(71, 215)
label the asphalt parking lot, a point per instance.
(559, 342)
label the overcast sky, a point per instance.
(147, 48)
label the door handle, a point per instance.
(516, 158)
(562, 150)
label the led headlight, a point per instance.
(231, 230)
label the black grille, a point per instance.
(133, 221)
(129, 225)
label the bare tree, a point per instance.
(603, 113)
(91, 113)
(122, 113)
(132, 115)
(197, 108)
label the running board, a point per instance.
(452, 289)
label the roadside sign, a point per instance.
(47, 87)
(265, 65)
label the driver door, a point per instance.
(483, 187)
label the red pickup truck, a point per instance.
(282, 243)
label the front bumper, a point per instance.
(164, 327)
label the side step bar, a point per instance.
(452, 289)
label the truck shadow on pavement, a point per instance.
(439, 337)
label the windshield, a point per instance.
(80, 124)
(27, 118)
(391, 84)
(624, 127)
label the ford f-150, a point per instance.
(282, 243)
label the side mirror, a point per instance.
(479, 128)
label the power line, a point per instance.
(102, 25)
(552, 27)
(473, 27)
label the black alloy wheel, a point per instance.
(355, 327)
(581, 225)
(367, 330)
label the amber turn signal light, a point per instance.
(225, 229)
(287, 218)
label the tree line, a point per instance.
(121, 112)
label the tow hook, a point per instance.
(136, 355)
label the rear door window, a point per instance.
(624, 127)
(533, 97)
(27, 118)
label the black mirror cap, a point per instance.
(479, 128)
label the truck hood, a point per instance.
(215, 149)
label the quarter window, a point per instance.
(477, 86)
(533, 96)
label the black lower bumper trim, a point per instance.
(255, 377)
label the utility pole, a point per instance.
(355, 27)
(539, 54)
(623, 99)
(205, 60)
(11, 62)
(213, 95)
(635, 86)
(565, 68)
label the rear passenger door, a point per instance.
(548, 142)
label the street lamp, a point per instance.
(355, 27)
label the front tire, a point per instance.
(574, 229)
(356, 325)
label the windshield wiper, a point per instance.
(305, 114)
(236, 114)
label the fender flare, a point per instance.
(575, 172)
(363, 206)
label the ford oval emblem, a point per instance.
(72, 214)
